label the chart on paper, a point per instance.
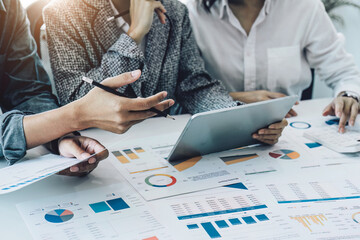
(144, 165)
(333, 220)
(114, 212)
(224, 214)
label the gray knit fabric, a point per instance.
(83, 43)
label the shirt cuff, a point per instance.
(12, 137)
(347, 88)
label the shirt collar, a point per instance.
(267, 6)
(223, 7)
(2, 6)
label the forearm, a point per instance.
(123, 56)
(45, 127)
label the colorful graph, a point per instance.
(284, 154)
(228, 160)
(300, 125)
(59, 216)
(104, 206)
(160, 180)
(306, 220)
(213, 233)
(185, 164)
(356, 217)
(139, 150)
(131, 154)
(120, 157)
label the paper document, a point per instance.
(324, 221)
(142, 163)
(28, 171)
(111, 212)
(224, 213)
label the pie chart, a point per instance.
(160, 180)
(59, 216)
(284, 154)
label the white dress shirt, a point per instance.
(287, 39)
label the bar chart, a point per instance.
(308, 220)
(113, 204)
(126, 155)
(213, 229)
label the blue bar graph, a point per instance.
(99, 207)
(249, 220)
(262, 217)
(221, 224)
(313, 145)
(117, 204)
(211, 230)
(192, 226)
(235, 221)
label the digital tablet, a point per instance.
(229, 128)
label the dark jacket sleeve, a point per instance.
(70, 60)
(197, 91)
(25, 85)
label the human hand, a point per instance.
(141, 14)
(81, 148)
(271, 134)
(345, 108)
(260, 95)
(113, 113)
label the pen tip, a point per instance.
(110, 19)
(88, 80)
(171, 117)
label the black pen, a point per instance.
(118, 15)
(113, 91)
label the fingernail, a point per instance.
(135, 74)
(74, 169)
(255, 136)
(92, 160)
(261, 132)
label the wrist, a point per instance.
(350, 94)
(136, 35)
(78, 118)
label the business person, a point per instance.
(25, 92)
(153, 36)
(265, 49)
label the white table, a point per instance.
(11, 223)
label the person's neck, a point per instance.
(248, 3)
(121, 5)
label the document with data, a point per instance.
(28, 171)
(111, 212)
